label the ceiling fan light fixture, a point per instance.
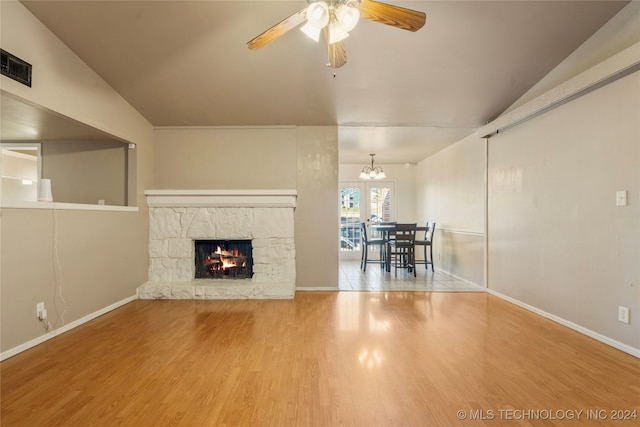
(336, 33)
(336, 18)
(347, 16)
(311, 31)
(318, 14)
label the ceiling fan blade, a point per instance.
(396, 16)
(277, 30)
(336, 52)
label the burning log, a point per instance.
(219, 261)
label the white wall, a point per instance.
(450, 191)
(557, 241)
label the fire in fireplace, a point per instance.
(223, 259)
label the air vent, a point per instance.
(15, 68)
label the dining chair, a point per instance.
(427, 243)
(366, 243)
(384, 231)
(401, 249)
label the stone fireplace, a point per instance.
(180, 218)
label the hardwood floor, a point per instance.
(321, 359)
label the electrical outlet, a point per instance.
(623, 314)
(621, 198)
(41, 313)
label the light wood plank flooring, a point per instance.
(321, 359)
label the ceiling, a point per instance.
(401, 95)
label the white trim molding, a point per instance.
(222, 198)
(466, 232)
(588, 332)
(22, 347)
(66, 206)
(317, 289)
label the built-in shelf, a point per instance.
(66, 206)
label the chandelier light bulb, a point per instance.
(372, 172)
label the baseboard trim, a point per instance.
(22, 347)
(588, 332)
(462, 279)
(317, 288)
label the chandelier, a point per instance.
(372, 172)
(340, 16)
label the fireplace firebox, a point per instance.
(223, 259)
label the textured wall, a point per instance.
(557, 240)
(317, 207)
(450, 191)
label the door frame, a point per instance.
(365, 211)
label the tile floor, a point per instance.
(352, 278)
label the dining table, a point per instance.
(385, 230)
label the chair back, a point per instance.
(391, 233)
(363, 232)
(405, 234)
(430, 232)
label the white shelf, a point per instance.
(66, 206)
(222, 198)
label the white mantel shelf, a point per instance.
(222, 198)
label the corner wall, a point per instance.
(450, 191)
(558, 244)
(61, 81)
(94, 259)
(557, 240)
(620, 33)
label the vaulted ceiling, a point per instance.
(402, 95)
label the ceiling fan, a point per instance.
(335, 18)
